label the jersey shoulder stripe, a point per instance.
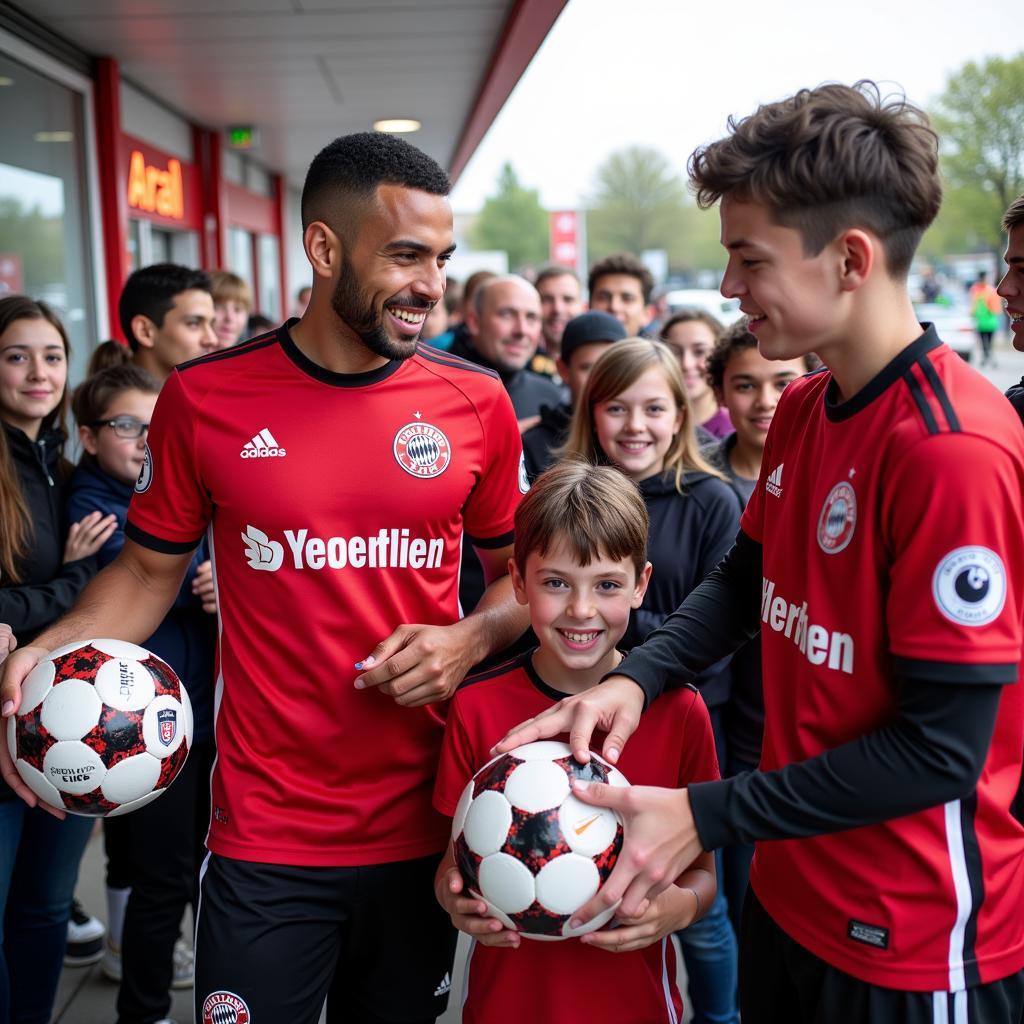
(917, 393)
(435, 355)
(246, 348)
(939, 390)
(504, 668)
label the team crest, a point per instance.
(969, 586)
(225, 1008)
(167, 721)
(524, 478)
(838, 519)
(146, 473)
(422, 450)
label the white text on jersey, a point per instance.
(389, 549)
(816, 643)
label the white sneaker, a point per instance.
(183, 965)
(85, 938)
(110, 965)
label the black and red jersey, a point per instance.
(892, 547)
(569, 981)
(336, 505)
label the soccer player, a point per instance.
(337, 465)
(622, 285)
(1011, 289)
(889, 872)
(581, 566)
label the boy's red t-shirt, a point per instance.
(555, 982)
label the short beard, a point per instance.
(358, 314)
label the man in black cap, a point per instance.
(585, 338)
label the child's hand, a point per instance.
(468, 913)
(7, 640)
(670, 910)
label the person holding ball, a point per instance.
(889, 867)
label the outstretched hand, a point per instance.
(613, 707)
(659, 844)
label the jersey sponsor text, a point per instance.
(816, 643)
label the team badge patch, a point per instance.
(524, 480)
(838, 519)
(146, 473)
(422, 450)
(167, 720)
(969, 586)
(225, 1008)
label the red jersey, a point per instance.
(546, 982)
(892, 546)
(336, 506)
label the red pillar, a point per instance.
(209, 155)
(280, 226)
(113, 183)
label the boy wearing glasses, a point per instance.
(153, 854)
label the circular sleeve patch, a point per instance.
(146, 473)
(969, 586)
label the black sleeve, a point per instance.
(931, 753)
(715, 619)
(30, 609)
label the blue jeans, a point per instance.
(709, 946)
(736, 859)
(39, 858)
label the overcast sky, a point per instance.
(665, 73)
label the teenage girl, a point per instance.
(154, 853)
(43, 567)
(692, 334)
(634, 413)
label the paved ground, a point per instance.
(87, 998)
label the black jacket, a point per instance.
(540, 442)
(48, 587)
(1015, 394)
(528, 391)
(689, 535)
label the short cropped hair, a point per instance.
(151, 292)
(737, 338)
(622, 263)
(228, 287)
(829, 159)
(547, 273)
(595, 510)
(1015, 214)
(345, 174)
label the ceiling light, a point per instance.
(54, 136)
(4, 80)
(397, 124)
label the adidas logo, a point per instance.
(445, 987)
(263, 446)
(773, 485)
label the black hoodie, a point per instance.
(689, 535)
(540, 442)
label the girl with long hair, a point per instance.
(44, 564)
(634, 413)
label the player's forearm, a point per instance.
(122, 601)
(932, 753)
(497, 621)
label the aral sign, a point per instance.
(154, 189)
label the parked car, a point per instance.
(953, 324)
(726, 311)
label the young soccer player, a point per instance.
(880, 558)
(580, 564)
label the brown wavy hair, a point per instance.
(16, 531)
(829, 159)
(618, 368)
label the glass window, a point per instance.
(44, 227)
(269, 300)
(163, 246)
(134, 244)
(240, 254)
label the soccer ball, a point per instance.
(104, 727)
(528, 848)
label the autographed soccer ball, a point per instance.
(104, 727)
(530, 849)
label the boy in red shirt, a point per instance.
(580, 565)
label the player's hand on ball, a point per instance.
(417, 664)
(614, 707)
(16, 668)
(660, 842)
(469, 914)
(669, 911)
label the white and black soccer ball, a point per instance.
(531, 850)
(104, 727)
